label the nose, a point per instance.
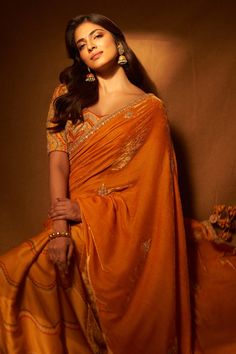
(90, 46)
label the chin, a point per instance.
(104, 66)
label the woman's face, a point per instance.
(96, 46)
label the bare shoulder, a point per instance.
(130, 95)
(135, 91)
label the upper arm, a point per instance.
(59, 159)
(59, 172)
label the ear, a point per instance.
(117, 42)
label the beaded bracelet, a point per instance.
(59, 234)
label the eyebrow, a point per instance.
(90, 34)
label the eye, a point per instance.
(99, 35)
(81, 47)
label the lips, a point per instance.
(96, 55)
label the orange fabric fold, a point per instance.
(127, 289)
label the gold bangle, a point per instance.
(59, 234)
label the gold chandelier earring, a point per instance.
(122, 58)
(90, 77)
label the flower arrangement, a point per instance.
(223, 219)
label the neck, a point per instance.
(112, 80)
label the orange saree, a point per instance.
(127, 289)
(213, 288)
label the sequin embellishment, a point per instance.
(146, 246)
(128, 115)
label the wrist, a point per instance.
(57, 234)
(60, 226)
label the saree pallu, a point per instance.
(127, 288)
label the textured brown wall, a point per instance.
(188, 48)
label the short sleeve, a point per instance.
(55, 141)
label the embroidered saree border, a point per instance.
(103, 120)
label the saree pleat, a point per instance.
(127, 289)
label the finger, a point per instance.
(50, 210)
(60, 203)
(60, 207)
(51, 252)
(49, 213)
(62, 199)
(54, 215)
(58, 212)
(58, 251)
(60, 267)
(62, 260)
(62, 255)
(60, 217)
(70, 252)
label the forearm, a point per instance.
(59, 174)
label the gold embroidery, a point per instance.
(129, 151)
(144, 248)
(103, 190)
(146, 245)
(55, 141)
(106, 119)
(94, 332)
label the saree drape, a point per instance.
(212, 268)
(127, 289)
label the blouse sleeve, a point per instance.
(55, 141)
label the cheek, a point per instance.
(83, 57)
(111, 47)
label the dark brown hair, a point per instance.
(80, 93)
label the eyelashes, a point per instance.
(99, 35)
(81, 47)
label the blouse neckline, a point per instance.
(129, 104)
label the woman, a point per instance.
(109, 275)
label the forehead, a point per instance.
(84, 29)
